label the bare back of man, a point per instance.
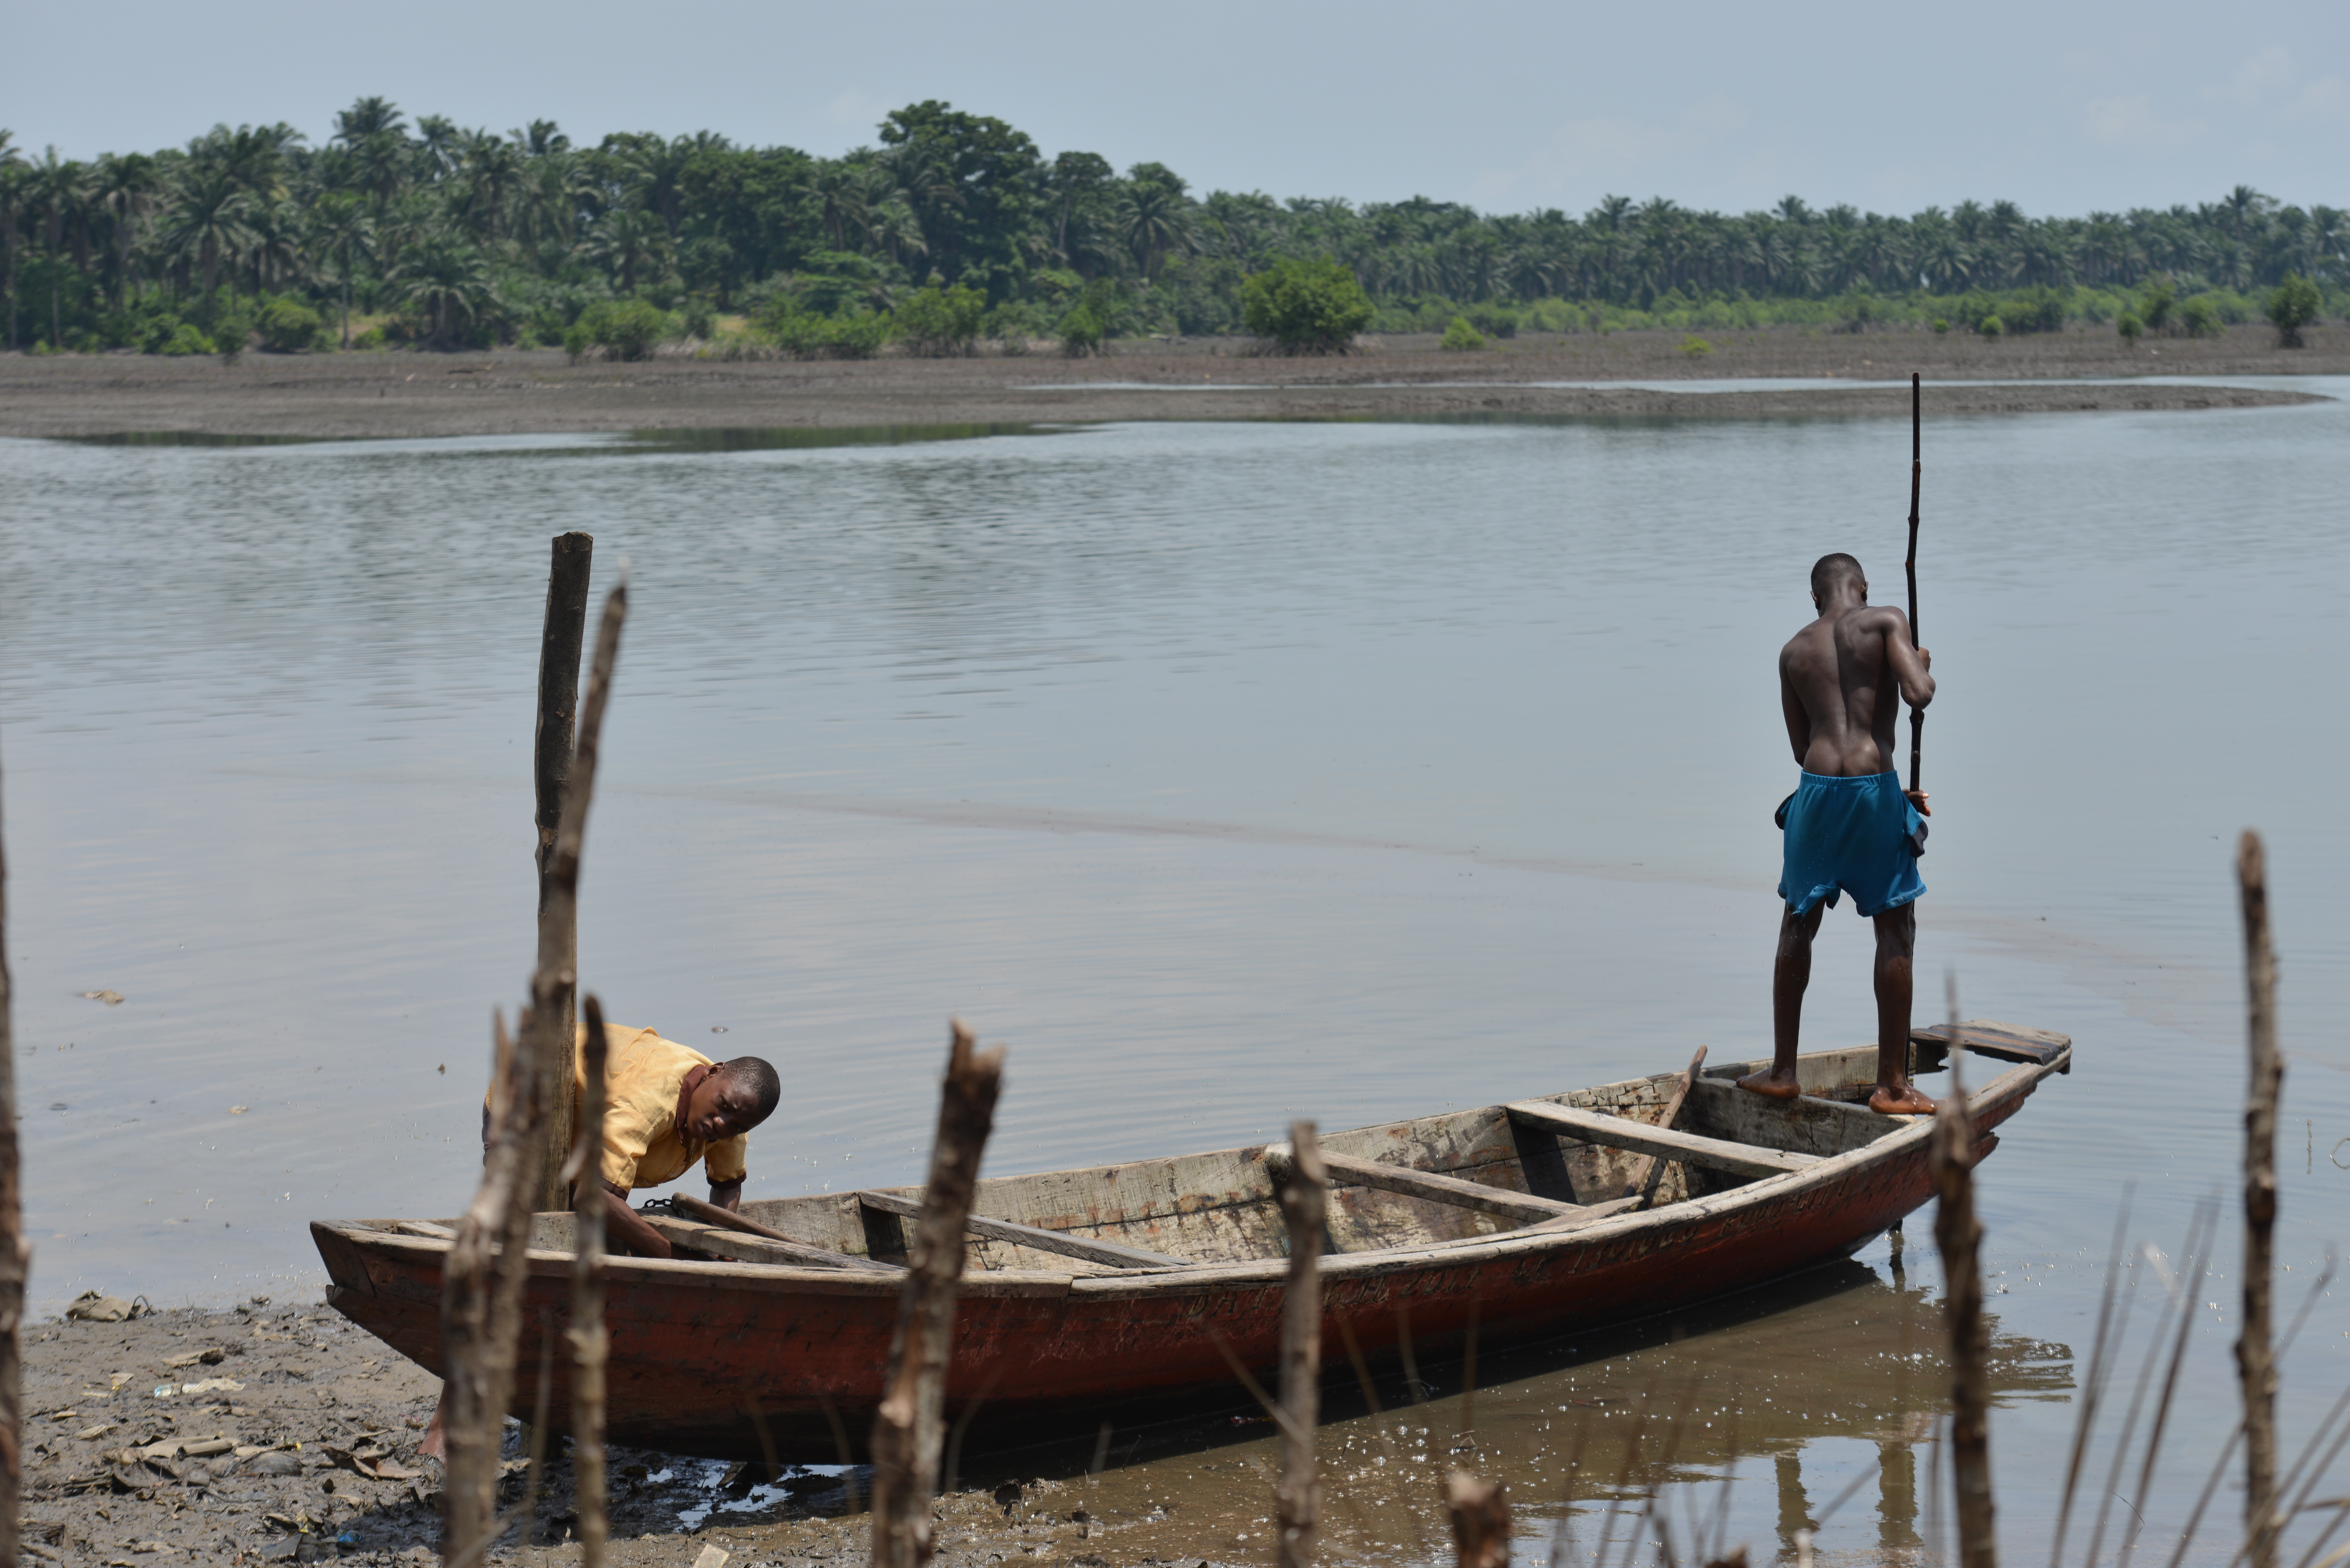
(1842, 682)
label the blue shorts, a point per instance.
(1852, 833)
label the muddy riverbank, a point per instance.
(346, 396)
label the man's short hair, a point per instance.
(752, 1079)
(1830, 570)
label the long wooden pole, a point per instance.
(552, 759)
(2255, 1355)
(1959, 1235)
(1304, 1207)
(910, 1427)
(1480, 1521)
(590, 1345)
(15, 1259)
(1916, 472)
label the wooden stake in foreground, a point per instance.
(551, 764)
(1480, 1521)
(15, 1259)
(480, 1288)
(1304, 1205)
(910, 1427)
(589, 1342)
(1959, 1235)
(2255, 1356)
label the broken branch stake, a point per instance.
(590, 1342)
(552, 753)
(2255, 1355)
(16, 1257)
(1304, 1205)
(1959, 1236)
(910, 1429)
(1480, 1521)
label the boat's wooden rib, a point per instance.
(795, 1249)
(742, 1247)
(1116, 1255)
(1640, 1138)
(1525, 1208)
(428, 1230)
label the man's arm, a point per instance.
(1798, 717)
(727, 1195)
(627, 1227)
(1909, 662)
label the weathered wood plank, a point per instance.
(1989, 1037)
(1346, 1171)
(1801, 1126)
(1115, 1253)
(722, 1241)
(1621, 1132)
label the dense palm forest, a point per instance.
(956, 226)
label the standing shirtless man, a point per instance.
(1849, 824)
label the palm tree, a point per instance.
(209, 221)
(14, 179)
(1154, 218)
(628, 242)
(57, 192)
(368, 117)
(341, 228)
(448, 280)
(127, 188)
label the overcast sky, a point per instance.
(2065, 108)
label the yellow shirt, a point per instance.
(643, 1074)
(642, 1148)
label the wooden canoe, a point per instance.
(1097, 1295)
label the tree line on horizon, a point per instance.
(437, 235)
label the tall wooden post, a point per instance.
(2255, 1355)
(15, 1258)
(590, 1342)
(1951, 1156)
(910, 1428)
(1304, 1206)
(551, 756)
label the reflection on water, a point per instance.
(1810, 1406)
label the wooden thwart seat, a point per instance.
(1622, 1132)
(1522, 1207)
(737, 1241)
(1115, 1254)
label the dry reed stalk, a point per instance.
(1304, 1207)
(1480, 1521)
(15, 1260)
(590, 1345)
(2255, 1357)
(910, 1428)
(551, 756)
(1959, 1236)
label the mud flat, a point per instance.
(349, 396)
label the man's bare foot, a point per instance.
(1776, 1084)
(1905, 1101)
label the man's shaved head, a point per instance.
(751, 1084)
(1831, 571)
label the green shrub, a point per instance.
(2157, 304)
(1494, 320)
(372, 339)
(1081, 332)
(287, 326)
(577, 338)
(940, 323)
(2199, 317)
(2129, 327)
(697, 317)
(625, 328)
(1990, 327)
(1941, 324)
(1460, 337)
(2293, 305)
(1306, 307)
(1695, 348)
(804, 336)
(184, 337)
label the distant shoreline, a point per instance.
(407, 394)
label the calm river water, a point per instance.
(1229, 773)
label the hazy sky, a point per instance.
(2063, 108)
